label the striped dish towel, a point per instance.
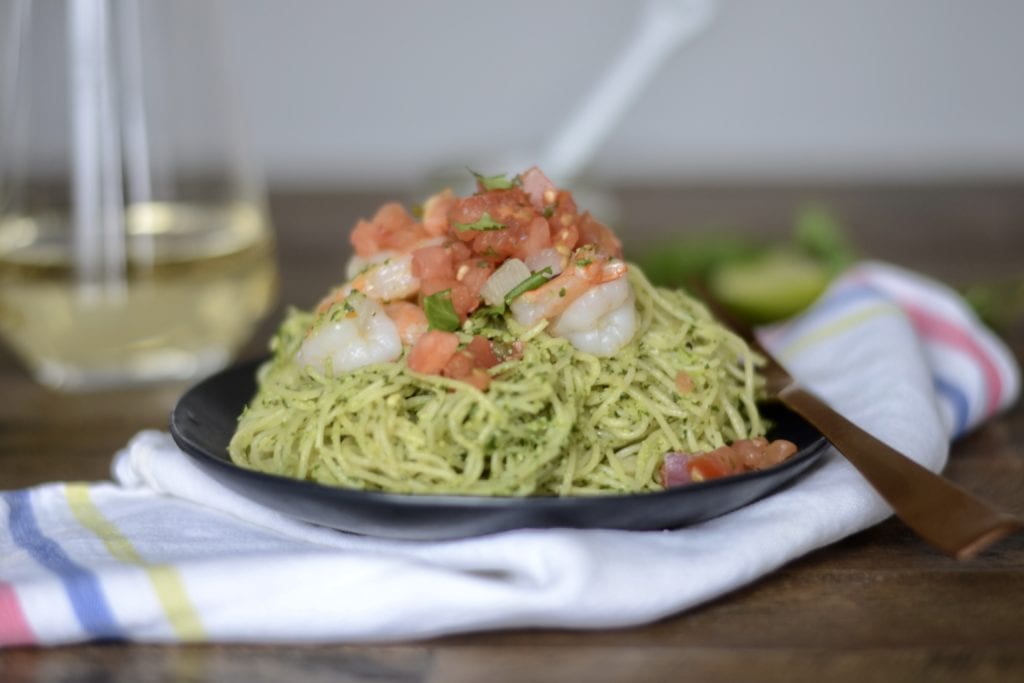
(163, 553)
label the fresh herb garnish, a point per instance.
(485, 222)
(496, 182)
(487, 311)
(533, 282)
(440, 311)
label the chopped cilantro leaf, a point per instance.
(486, 311)
(496, 182)
(533, 282)
(440, 312)
(485, 222)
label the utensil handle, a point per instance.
(940, 512)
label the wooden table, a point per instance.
(880, 605)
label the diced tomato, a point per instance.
(466, 365)
(391, 228)
(565, 238)
(535, 185)
(703, 468)
(433, 285)
(483, 355)
(459, 365)
(392, 216)
(433, 262)
(717, 463)
(478, 378)
(535, 237)
(397, 229)
(364, 239)
(495, 245)
(460, 252)
(749, 451)
(474, 274)
(563, 222)
(777, 451)
(466, 211)
(745, 455)
(509, 207)
(598, 234)
(684, 382)
(432, 352)
(564, 205)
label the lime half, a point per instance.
(772, 286)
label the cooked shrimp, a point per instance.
(354, 332)
(387, 275)
(586, 269)
(357, 264)
(601, 321)
(435, 212)
(389, 280)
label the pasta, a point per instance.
(555, 421)
(497, 344)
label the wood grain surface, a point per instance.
(880, 605)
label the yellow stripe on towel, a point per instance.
(166, 580)
(819, 334)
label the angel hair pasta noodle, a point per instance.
(496, 345)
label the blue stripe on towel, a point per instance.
(957, 400)
(82, 587)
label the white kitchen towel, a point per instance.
(164, 553)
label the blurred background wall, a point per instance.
(343, 92)
(358, 94)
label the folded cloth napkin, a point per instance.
(164, 553)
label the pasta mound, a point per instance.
(557, 421)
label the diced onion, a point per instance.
(511, 273)
(546, 258)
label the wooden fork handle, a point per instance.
(940, 512)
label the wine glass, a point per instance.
(135, 243)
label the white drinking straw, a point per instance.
(97, 213)
(665, 26)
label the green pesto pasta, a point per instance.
(557, 421)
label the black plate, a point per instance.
(204, 419)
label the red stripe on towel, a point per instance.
(947, 332)
(14, 628)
